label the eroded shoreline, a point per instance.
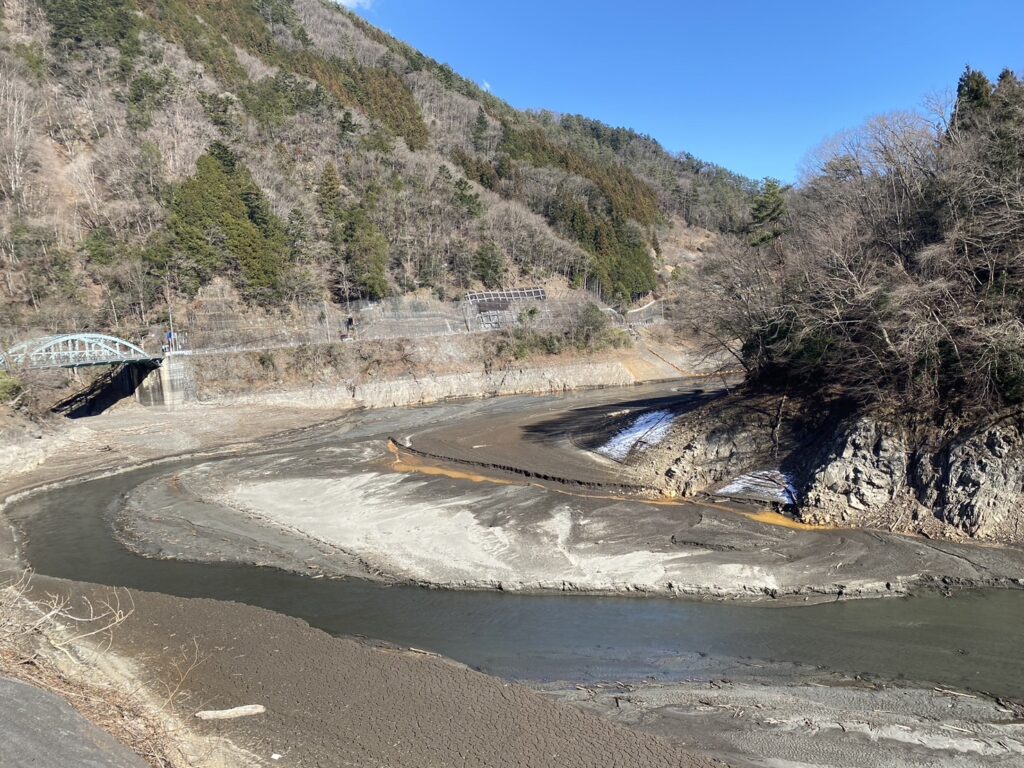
(357, 503)
(691, 729)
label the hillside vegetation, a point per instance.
(893, 277)
(148, 147)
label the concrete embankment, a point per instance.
(394, 373)
(412, 390)
(439, 369)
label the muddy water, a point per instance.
(972, 640)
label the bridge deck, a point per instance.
(74, 351)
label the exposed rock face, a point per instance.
(872, 473)
(861, 471)
(982, 492)
(711, 446)
(710, 458)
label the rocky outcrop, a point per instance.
(982, 483)
(873, 473)
(866, 470)
(859, 473)
(712, 445)
(713, 457)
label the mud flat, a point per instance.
(751, 684)
(810, 718)
(512, 503)
(333, 702)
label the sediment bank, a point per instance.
(340, 503)
(708, 537)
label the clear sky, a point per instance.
(749, 85)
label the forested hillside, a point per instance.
(148, 147)
(893, 277)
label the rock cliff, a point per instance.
(865, 470)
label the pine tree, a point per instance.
(367, 254)
(364, 251)
(222, 221)
(329, 192)
(296, 233)
(444, 176)
(95, 22)
(466, 198)
(973, 98)
(1007, 78)
(347, 127)
(481, 128)
(490, 265)
(768, 213)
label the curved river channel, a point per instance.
(972, 640)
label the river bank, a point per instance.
(143, 646)
(333, 701)
(349, 501)
(228, 451)
(269, 405)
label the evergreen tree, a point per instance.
(222, 222)
(768, 213)
(347, 126)
(490, 265)
(1007, 78)
(467, 199)
(328, 192)
(96, 22)
(481, 128)
(444, 176)
(296, 233)
(973, 97)
(365, 251)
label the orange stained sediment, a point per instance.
(768, 517)
(411, 464)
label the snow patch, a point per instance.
(649, 428)
(763, 485)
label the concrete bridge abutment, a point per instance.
(168, 386)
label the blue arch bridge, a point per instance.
(74, 350)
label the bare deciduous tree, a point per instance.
(19, 109)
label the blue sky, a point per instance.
(749, 85)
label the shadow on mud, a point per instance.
(592, 426)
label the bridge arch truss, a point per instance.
(73, 351)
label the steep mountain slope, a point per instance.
(149, 146)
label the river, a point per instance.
(971, 640)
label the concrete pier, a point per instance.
(169, 385)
